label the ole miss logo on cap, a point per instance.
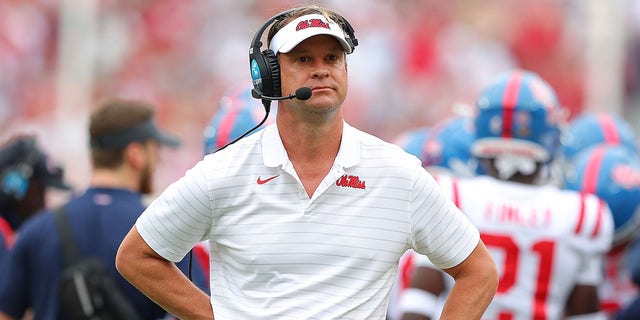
(312, 23)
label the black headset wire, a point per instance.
(219, 149)
(256, 43)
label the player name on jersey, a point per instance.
(508, 213)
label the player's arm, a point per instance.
(420, 300)
(476, 282)
(160, 279)
(583, 300)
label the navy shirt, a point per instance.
(100, 219)
(4, 247)
(632, 310)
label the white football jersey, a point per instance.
(544, 241)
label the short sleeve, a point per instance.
(180, 217)
(439, 229)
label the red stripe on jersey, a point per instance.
(509, 101)
(456, 193)
(609, 129)
(610, 306)
(202, 256)
(7, 232)
(596, 230)
(226, 126)
(581, 217)
(505, 316)
(406, 272)
(592, 170)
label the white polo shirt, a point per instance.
(275, 253)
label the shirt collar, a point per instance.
(274, 154)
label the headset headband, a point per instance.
(256, 42)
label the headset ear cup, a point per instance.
(14, 180)
(274, 71)
(15, 183)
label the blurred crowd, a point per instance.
(419, 61)
(419, 64)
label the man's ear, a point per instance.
(134, 155)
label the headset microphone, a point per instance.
(303, 93)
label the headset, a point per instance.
(265, 69)
(15, 177)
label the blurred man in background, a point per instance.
(124, 144)
(26, 173)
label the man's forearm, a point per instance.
(168, 287)
(161, 280)
(468, 299)
(476, 284)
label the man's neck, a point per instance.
(304, 141)
(115, 178)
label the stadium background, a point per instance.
(418, 62)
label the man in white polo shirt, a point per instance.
(307, 218)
